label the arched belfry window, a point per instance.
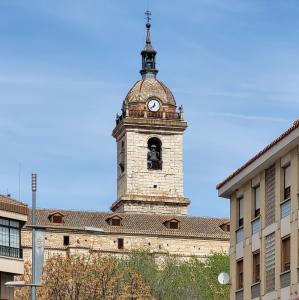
(154, 154)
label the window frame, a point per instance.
(287, 187)
(240, 274)
(256, 264)
(283, 251)
(10, 250)
(120, 243)
(239, 211)
(256, 211)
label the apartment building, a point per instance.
(13, 215)
(264, 198)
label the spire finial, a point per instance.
(148, 19)
(148, 54)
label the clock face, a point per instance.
(153, 105)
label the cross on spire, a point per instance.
(148, 18)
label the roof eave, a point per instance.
(260, 164)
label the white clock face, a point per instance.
(153, 105)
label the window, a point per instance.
(240, 211)
(66, 240)
(172, 224)
(256, 202)
(122, 157)
(114, 220)
(154, 154)
(256, 267)
(285, 254)
(240, 274)
(225, 226)
(56, 217)
(120, 243)
(287, 182)
(10, 235)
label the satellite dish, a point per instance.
(223, 278)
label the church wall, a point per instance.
(107, 244)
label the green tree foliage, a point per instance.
(170, 279)
(141, 275)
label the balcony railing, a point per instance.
(11, 252)
(149, 115)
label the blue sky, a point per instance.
(67, 65)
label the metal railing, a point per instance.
(11, 252)
(149, 115)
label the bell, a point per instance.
(154, 153)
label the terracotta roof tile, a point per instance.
(259, 154)
(12, 205)
(200, 227)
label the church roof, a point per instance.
(197, 227)
(147, 88)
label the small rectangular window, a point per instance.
(256, 267)
(287, 182)
(115, 222)
(240, 211)
(285, 254)
(256, 203)
(240, 274)
(120, 243)
(66, 240)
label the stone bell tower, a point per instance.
(149, 137)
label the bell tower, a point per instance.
(149, 138)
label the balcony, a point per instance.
(11, 252)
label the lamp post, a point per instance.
(33, 188)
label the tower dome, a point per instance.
(149, 88)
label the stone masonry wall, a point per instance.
(184, 248)
(140, 180)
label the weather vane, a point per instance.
(148, 16)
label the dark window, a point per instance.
(115, 222)
(122, 157)
(240, 211)
(173, 225)
(57, 219)
(120, 243)
(10, 235)
(287, 182)
(240, 274)
(66, 240)
(285, 254)
(154, 154)
(256, 267)
(256, 202)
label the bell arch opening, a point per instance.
(154, 154)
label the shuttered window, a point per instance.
(256, 267)
(240, 204)
(240, 274)
(256, 202)
(285, 254)
(287, 182)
